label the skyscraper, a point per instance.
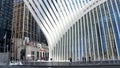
(6, 11)
(24, 25)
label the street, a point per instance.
(73, 66)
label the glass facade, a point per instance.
(6, 11)
(96, 34)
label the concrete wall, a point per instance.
(4, 58)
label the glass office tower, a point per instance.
(6, 11)
(79, 28)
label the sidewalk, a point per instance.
(3, 64)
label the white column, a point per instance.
(59, 50)
(108, 32)
(70, 42)
(78, 24)
(116, 25)
(98, 56)
(73, 54)
(81, 38)
(89, 47)
(103, 29)
(75, 43)
(67, 45)
(64, 47)
(113, 28)
(92, 36)
(85, 47)
(100, 34)
(115, 17)
(69, 51)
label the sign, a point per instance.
(42, 50)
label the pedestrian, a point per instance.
(83, 59)
(70, 59)
(51, 59)
(89, 58)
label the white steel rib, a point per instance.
(55, 17)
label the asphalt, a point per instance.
(65, 65)
(70, 66)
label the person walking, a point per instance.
(89, 58)
(70, 59)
